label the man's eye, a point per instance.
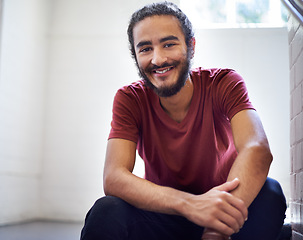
(145, 49)
(169, 45)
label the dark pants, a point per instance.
(113, 219)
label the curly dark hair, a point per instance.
(162, 8)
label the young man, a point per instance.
(205, 151)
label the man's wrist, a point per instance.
(181, 205)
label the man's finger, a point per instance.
(228, 186)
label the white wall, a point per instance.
(22, 86)
(88, 61)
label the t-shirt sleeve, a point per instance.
(231, 95)
(125, 118)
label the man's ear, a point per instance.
(192, 47)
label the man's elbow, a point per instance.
(108, 184)
(264, 155)
(113, 180)
(268, 157)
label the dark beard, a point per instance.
(169, 90)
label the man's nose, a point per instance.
(159, 57)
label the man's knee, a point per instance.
(109, 206)
(106, 219)
(270, 200)
(272, 192)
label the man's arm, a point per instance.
(119, 181)
(215, 209)
(254, 157)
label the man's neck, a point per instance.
(177, 105)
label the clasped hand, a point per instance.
(218, 210)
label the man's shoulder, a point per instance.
(211, 72)
(215, 75)
(137, 88)
(136, 91)
(134, 86)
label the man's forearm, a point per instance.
(144, 194)
(254, 157)
(251, 167)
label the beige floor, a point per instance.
(41, 230)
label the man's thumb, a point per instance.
(229, 186)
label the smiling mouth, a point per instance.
(163, 71)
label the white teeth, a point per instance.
(163, 71)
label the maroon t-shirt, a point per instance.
(195, 154)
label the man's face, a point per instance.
(161, 53)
